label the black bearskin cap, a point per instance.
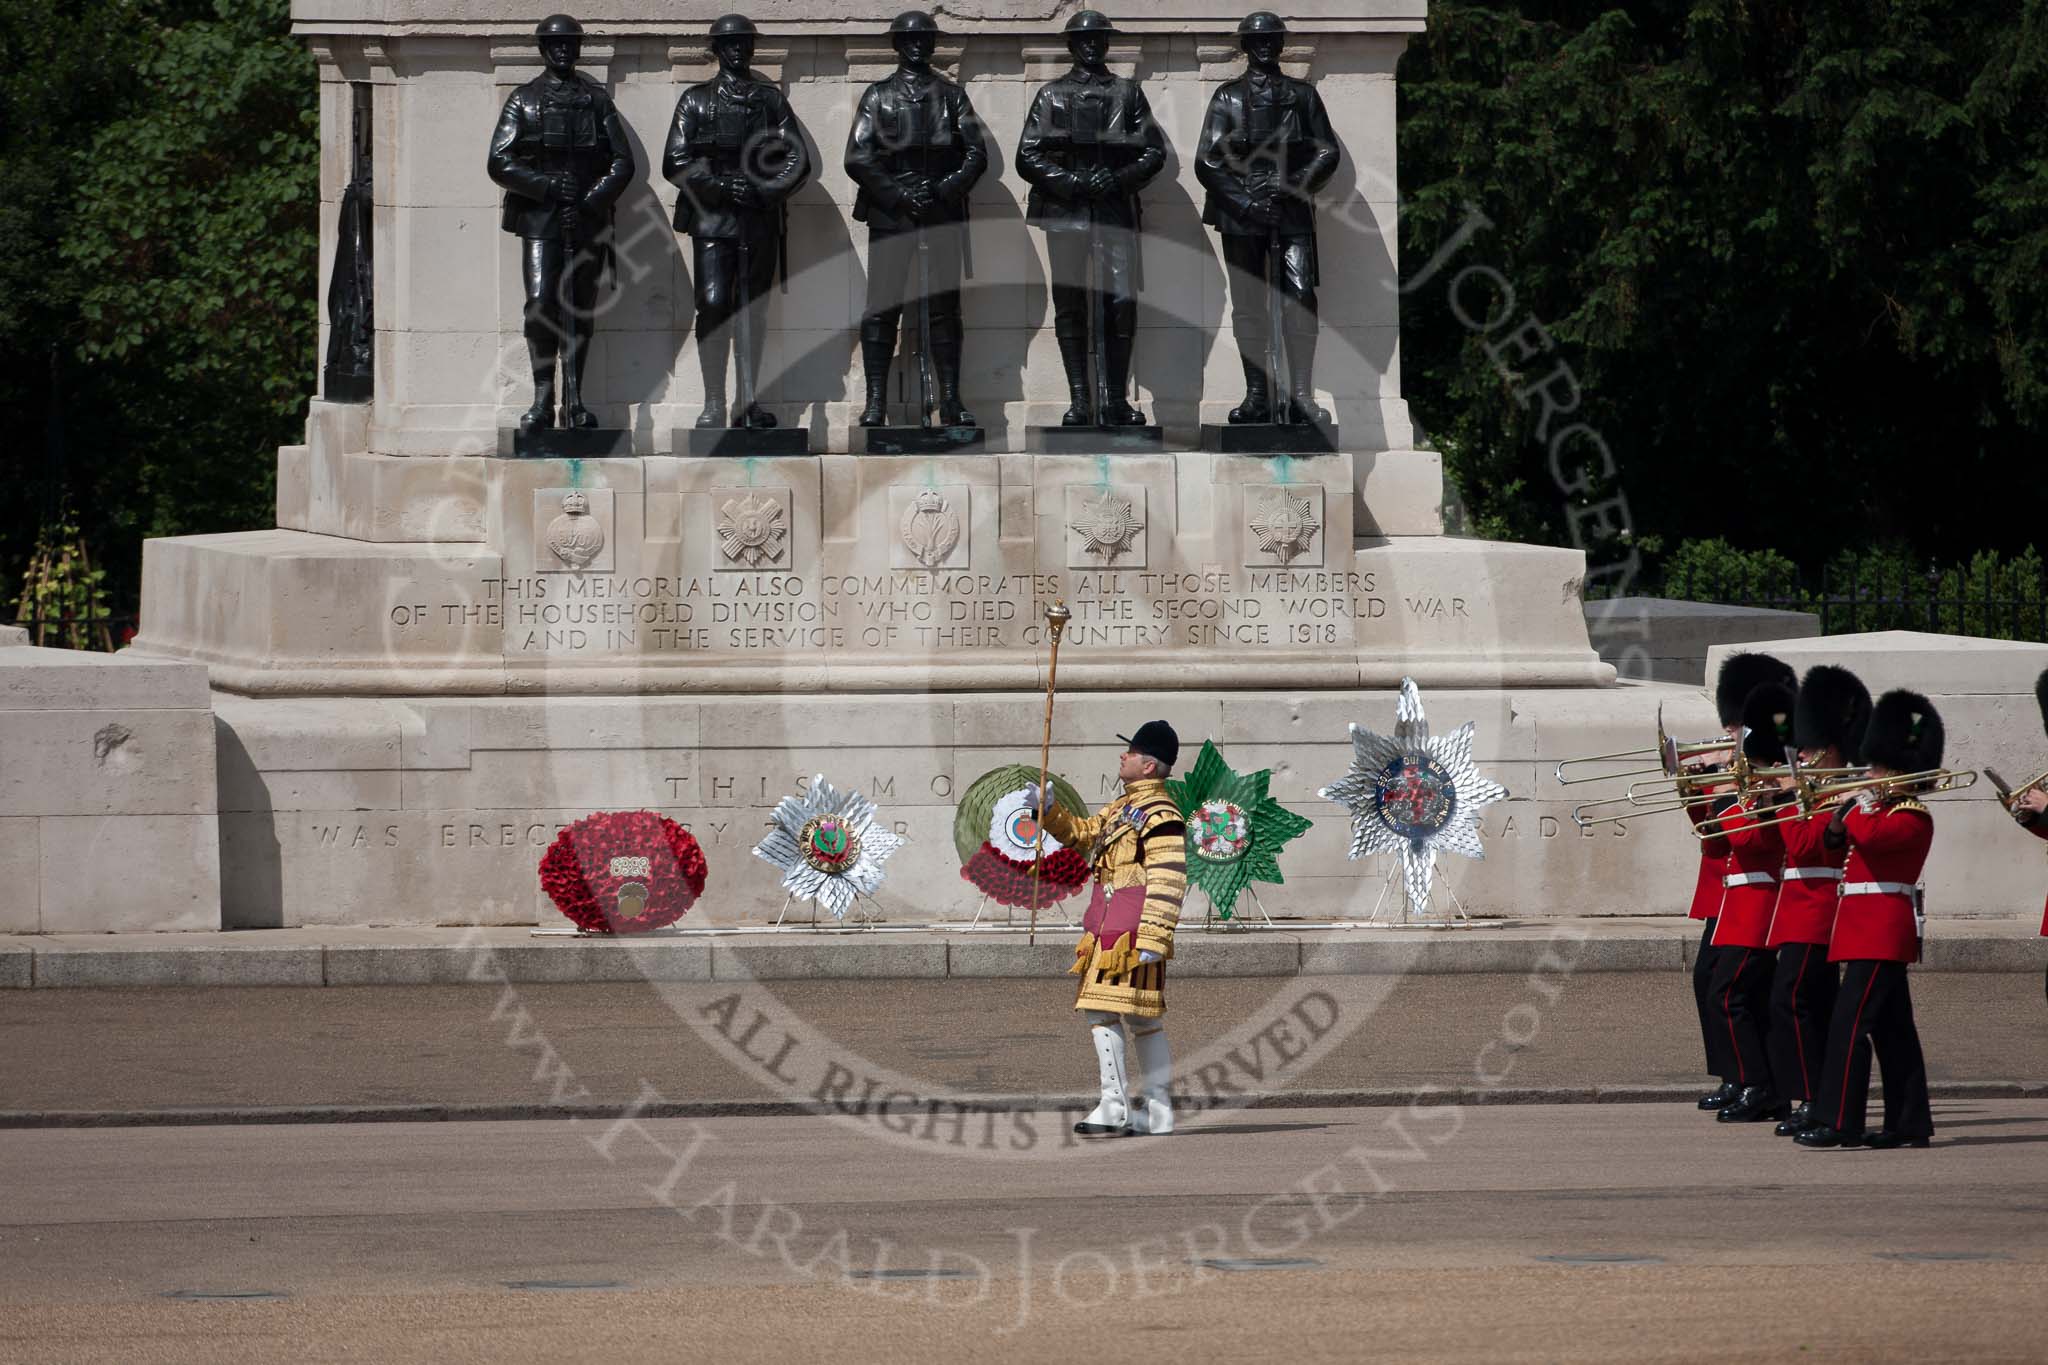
(1742, 674)
(1768, 715)
(1905, 733)
(1833, 708)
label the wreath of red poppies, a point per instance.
(1008, 881)
(623, 873)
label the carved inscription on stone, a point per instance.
(1284, 524)
(931, 526)
(752, 527)
(1105, 526)
(572, 529)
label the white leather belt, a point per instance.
(1749, 879)
(1877, 889)
(1813, 874)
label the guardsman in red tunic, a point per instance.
(1740, 675)
(1828, 720)
(1877, 932)
(1740, 992)
(2031, 810)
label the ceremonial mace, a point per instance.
(1056, 618)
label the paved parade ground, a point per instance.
(1593, 1232)
(1419, 1217)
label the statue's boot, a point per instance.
(877, 349)
(1074, 360)
(541, 416)
(711, 362)
(1120, 413)
(1258, 404)
(1111, 1117)
(946, 359)
(1301, 380)
(1152, 1107)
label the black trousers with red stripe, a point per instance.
(1712, 1035)
(1874, 1013)
(1802, 1007)
(1740, 995)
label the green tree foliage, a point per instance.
(1794, 254)
(158, 231)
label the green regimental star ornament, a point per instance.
(1235, 830)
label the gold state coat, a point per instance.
(1137, 840)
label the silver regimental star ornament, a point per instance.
(830, 846)
(1413, 794)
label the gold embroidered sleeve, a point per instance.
(1165, 851)
(1075, 831)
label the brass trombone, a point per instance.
(2009, 797)
(1672, 756)
(1686, 789)
(1810, 793)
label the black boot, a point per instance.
(1120, 413)
(1301, 382)
(1757, 1105)
(1258, 404)
(946, 360)
(1722, 1098)
(1074, 360)
(541, 416)
(711, 363)
(1885, 1140)
(1823, 1136)
(877, 349)
(1800, 1120)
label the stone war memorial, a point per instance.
(741, 394)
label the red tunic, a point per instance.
(1813, 877)
(1886, 844)
(2040, 829)
(1706, 892)
(1756, 857)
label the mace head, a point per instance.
(1056, 618)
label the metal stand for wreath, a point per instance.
(864, 913)
(1396, 873)
(1233, 924)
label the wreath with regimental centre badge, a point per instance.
(623, 873)
(995, 834)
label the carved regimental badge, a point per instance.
(1108, 525)
(1285, 523)
(930, 528)
(575, 537)
(753, 531)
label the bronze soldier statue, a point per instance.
(562, 157)
(736, 152)
(915, 151)
(1266, 149)
(1089, 145)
